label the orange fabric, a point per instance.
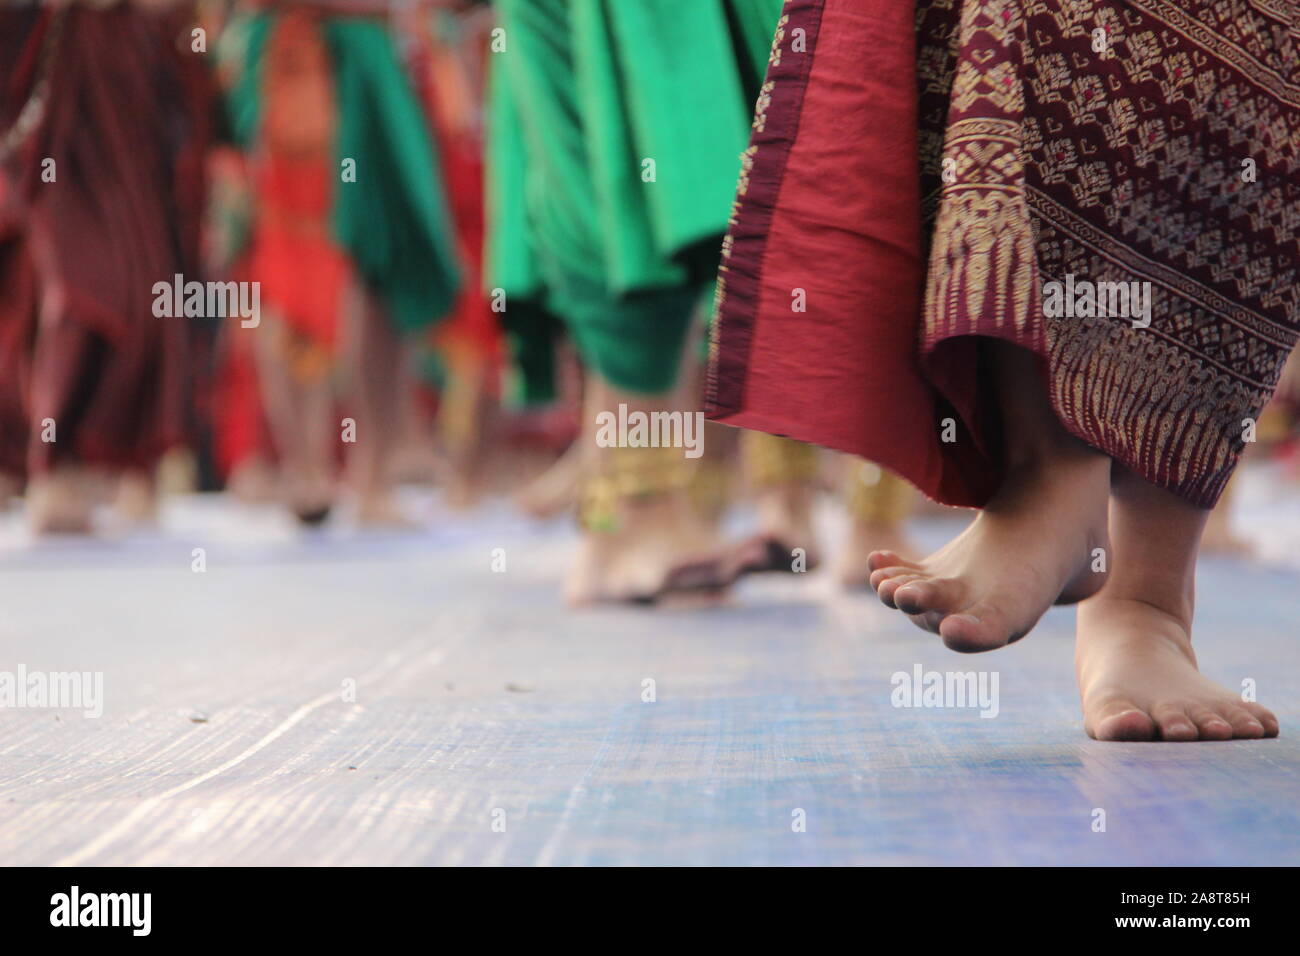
(302, 270)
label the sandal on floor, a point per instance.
(764, 554)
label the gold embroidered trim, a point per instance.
(982, 264)
(625, 474)
(774, 58)
(770, 460)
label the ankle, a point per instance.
(1053, 452)
(665, 513)
(1167, 598)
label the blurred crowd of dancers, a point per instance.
(472, 228)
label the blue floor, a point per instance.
(487, 724)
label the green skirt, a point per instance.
(616, 130)
(393, 219)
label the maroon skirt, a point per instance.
(923, 177)
(100, 198)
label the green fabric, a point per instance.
(754, 23)
(509, 260)
(241, 49)
(584, 93)
(688, 113)
(393, 220)
(430, 369)
(630, 256)
(532, 334)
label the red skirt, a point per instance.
(917, 176)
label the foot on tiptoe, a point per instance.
(1035, 544)
(1138, 679)
(653, 548)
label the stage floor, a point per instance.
(490, 725)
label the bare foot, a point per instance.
(379, 509)
(556, 489)
(657, 541)
(309, 494)
(136, 503)
(10, 488)
(61, 501)
(1138, 679)
(864, 539)
(1031, 547)
(253, 481)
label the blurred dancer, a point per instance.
(462, 358)
(1084, 141)
(102, 134)
(785, 477)
(615, 132)
(350, 242)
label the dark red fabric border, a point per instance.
(761, 176)
(829, 210)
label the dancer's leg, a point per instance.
(1031, 546)
(640, 524)
(1136, 669)
(376, 361)
(783, 476)
(62, 491)
(299, 414)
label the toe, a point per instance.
(884, 574)
(927, 622)
(1209, 725)
(885, 591)
(1265, 717)
(888, 559)
(1121, 720)
(981, 627)
(945, 595)
(1244, 723)
(1174, 723)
